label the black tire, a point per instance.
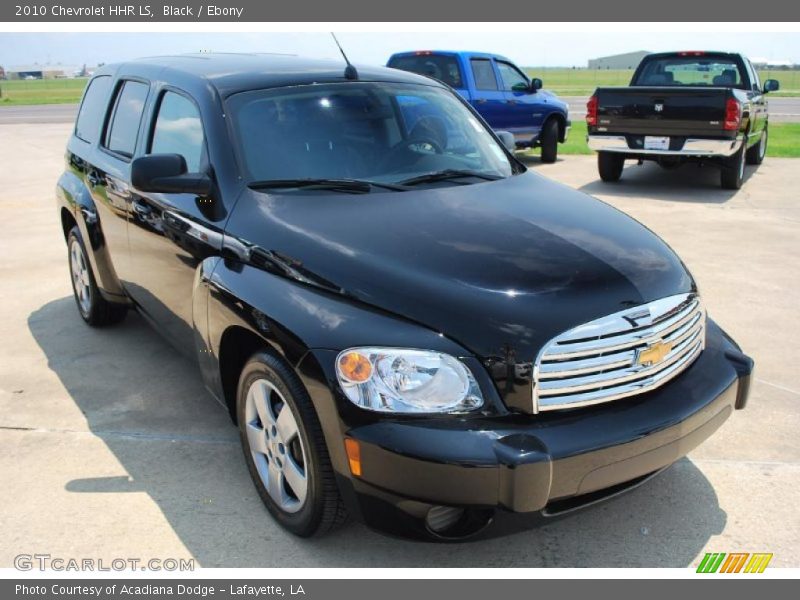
(548, 140)
(322, 508)
(756, 154)
(732, 174)
(93, 308)
(610, 165)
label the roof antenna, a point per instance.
(349, 71)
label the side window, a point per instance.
(755, 82)
(124, 127)
(93, 109)
(484, 74)
(178, 130)
(511, 76)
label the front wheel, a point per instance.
(610, 165)
(285, 449)
(756, 154)
(549, 141)
(732, 174)
(93, 308)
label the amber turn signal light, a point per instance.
(355, 367)
(353, 456)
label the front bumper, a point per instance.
(542, 464)
(690, 147)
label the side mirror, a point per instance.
(166, 174)
(771, 85)
(536, 85)
(508, 140)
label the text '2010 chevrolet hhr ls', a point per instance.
(406, 325)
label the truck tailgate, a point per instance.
(667, 111)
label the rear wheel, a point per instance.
(610, 165)
(285, 449)
(548, 140)
(756, 154)
(93, 308)
(732, 174)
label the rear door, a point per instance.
(108, 175)
(488, 96)
(171, 234)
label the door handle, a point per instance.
(511, 101)
(481, 100)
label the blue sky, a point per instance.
(530, 49)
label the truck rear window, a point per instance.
(689, 71)
(439, 66)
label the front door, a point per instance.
(171, 234)
(526, 113)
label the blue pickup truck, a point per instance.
(500, 91)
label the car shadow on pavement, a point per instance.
(691, 183)
(177, 445)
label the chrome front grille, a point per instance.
(619, 355)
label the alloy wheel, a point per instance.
(80, 277)
(277, 447)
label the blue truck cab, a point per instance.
(501, 92)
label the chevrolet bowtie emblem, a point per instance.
(653, 354)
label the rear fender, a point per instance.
(75, 199)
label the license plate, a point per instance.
(652, 142)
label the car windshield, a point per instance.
(690, 71)
(384, 133)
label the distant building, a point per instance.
(629, 60)
(769, 63)
(42, 72)
(2, 73)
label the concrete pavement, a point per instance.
(110, 447)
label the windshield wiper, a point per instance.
(449, 174)
(360, 186)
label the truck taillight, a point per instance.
(591, 111)
(733, 115)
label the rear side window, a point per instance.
(439, 66)
(93, 109)
(121, 135)
(483, 72)
(178, 130)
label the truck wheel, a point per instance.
(610, 165)
(93, 308)
(756, 154)
(285, 449)
(548, 140)
(732, 174)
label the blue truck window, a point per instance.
(511, 76)
(439, 66)
(483, 72)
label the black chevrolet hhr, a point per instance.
(406, 325)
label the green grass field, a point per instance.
(582, 82)
(41, 91)
(784, 140)
(565, 82)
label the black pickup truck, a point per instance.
(696, 106)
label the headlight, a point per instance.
(407, 381)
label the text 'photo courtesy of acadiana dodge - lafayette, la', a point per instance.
(123, 10)
(204, 590)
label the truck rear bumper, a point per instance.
(691, 147)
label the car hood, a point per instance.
(494, 265)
